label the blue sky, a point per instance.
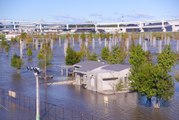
(77, 11)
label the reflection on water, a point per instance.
(128, 106)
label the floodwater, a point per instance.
(125, 106)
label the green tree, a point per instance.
(83, 36)
(137, 56)
(105, 53)
(7, 48)
(84, 51)
(16, 62)
(2, 38)
(151, 79)
(29, 53)
(167, 58)
(72, 56)
(139, 65)
(4, 44)
(44, 56)
(3, 41)
(117, 55)
(164, 84)
(143, 80)
(92, 56)
(23, 36)
(14, 40)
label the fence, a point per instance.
(48, 111)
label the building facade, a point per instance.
(7, 26)
(102, 78)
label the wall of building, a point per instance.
(95, 81)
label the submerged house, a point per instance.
(101, 77)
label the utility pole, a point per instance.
(36, 72)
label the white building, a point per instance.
(101, 77)
(8, 26)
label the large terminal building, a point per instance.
(7, 26)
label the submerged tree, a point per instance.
(152, 80)
(7, 48)
(105, 53)
(117, 55)
(16, 62)
(92, 56)
(29, 53)
(23, 36)
(3, 41)
(136, 60)
(44, 56)
(163, 80)
(4, 44)
(72, 56)
(167, 58)
(84, 51)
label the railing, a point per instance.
(48, 111)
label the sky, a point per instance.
(81, 11)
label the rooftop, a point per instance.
(116, 67)
(94, 66)
(88, 65)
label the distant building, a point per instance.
(101, 77)
(7, 26)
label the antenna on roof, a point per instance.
(122, 18)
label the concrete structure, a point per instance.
(43, 27)
(8, 26)
(101, 77)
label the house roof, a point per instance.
(94, 66)
(88, 65)
(116, 67)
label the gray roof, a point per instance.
(88, 65)
(116, 67)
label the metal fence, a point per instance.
(48, 111)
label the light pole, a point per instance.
(36, 72)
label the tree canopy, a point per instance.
(152, 79)
(72, 56)
(117, 55)
(167, 58)
(16, 62)
(44, 56)
(45, 52)
(29, 52)
(105, 53)
(92, 56)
